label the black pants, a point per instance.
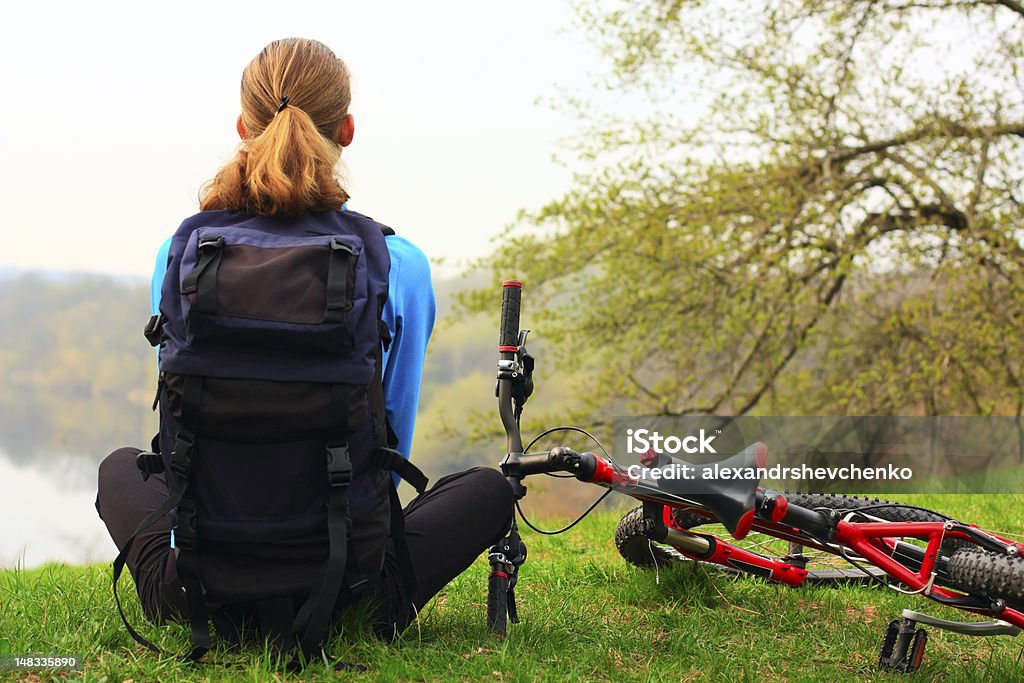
(447, 528)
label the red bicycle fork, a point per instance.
(722, 553)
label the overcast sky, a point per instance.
(114, 114)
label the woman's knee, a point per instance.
(493, 494)
(479, 499)
(113, 470)
(118, 461)
(493, 483)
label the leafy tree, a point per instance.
(796, 207)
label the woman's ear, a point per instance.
(346, 131)
(240, 127)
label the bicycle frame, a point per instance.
(874, 542)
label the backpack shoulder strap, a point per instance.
(386, 229)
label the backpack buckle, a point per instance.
(181, 456)
(154, 331)
(338, 245)
(149, 463)
(339, 465)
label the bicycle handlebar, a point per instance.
(561, 459)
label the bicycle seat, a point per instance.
(731, 499)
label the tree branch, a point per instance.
(953, 4)
(847, 60)
(944, 198)
(949, 129)
(979, 180)
(769, 382)
(927, 214)
(647, 392)
(745, 363)
(1012, 5)
(965, 382)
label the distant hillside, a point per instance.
(77, 372)
(58, 276)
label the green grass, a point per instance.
(586, 615)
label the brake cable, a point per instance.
(564, 428)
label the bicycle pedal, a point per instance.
(902, 647)
(892, 632)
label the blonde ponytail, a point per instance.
(295, 94)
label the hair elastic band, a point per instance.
(284, 103)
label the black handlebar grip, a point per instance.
(511, 296)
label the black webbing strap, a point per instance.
(314, 617)
(402, 556)
(202, 280)
(390, 459)
(311, 623)
(185, 532)
(385, 334)
(181, 460)
(122, 557)
(198, 617)
(338, 304)
(392, 441)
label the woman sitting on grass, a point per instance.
(293, 126)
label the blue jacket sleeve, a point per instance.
(158, 275)
(157, 283)
(409, 315)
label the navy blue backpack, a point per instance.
(273, 435)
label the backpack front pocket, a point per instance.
(257, 291)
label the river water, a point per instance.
(51, 444)
(47, 513)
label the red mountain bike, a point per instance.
(791, 538)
